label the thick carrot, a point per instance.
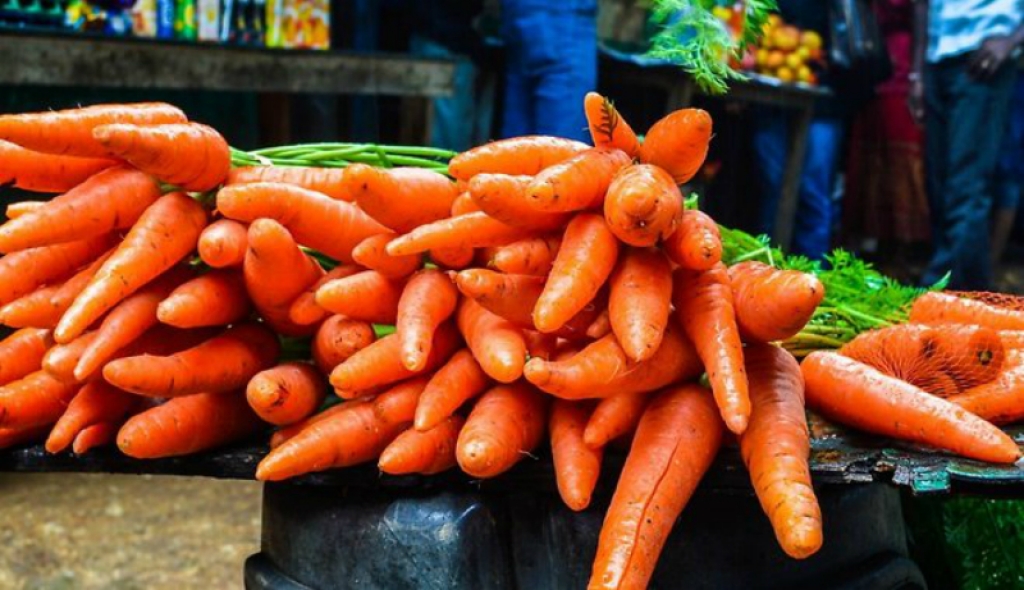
(316, 220)
(60, 361)
(607, 127)
(276, 273)
(643, 205)
(19, 208)
(401, 199)
(580, 182)
(240, 352)
(287, 432)
(472, 230)
(44, 307)
(503, 197)
(613, 417)
(97, 402)
(426, 452)
(192, 156)
(113, 199)
(585, 260)
(517, 155)
(22, 353)
(429, 298)
(372, 254)
(329, 181)
(505, 425)
(452, 258)
(10, 437)
(639, 302)
(69, 132)
(1000, 401)
(678, 143)
(38, 398)
(697, 243)
(287, 393)
(223, 243)
(93, 436)
(304, 311)
(45, 173)
(772, 304)
(338, 338)
(496, 344)
(25, 271)
(675, 443)
(857, 395)
(367, 295)
(187, 425)
(463, 204)
(355, 433)
(705, 305)
(532, 256)
(576, 464)
(216, 298)
(455, 383)
(942, 308)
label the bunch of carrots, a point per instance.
(542, 290)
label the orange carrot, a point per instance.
(288, 432)
(458, 381)
(187, 425)
(372, 254)
(11, 437)
(401, 199)
(452, 258)
(613, 417)
(44, 307)
(517, 155)
(60, 360)
(601, 326)
(338, 338)
(577, 183)
(45, 173)
(639, 302)
(697, 243)
(428, 300)
(304, 311)
(216, 298)
(96, 403)
(276, 273)
(496, 344)
(678, 438)
(329, 181)
(772, 304)
(705, 306)
(25, 271)
(472, 230)
(532, 256)
(1012, 339)
(643, 205)
(380, 363)
(35, 399)
(427, 452)
(942, 308)
(463, 204)
(540, 345)
(1000, 401)
(223, 243)
(22, 353)
(367, 295)
(576, 465)
(506, 424)
(287, 393)
(857, 395)
(678, 143)
(607, 127)
(585, 260)
(241, 351)
(17, 209)
(188, 155)
(93, 436)
(165, 234)
(503, 197)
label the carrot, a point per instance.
(776, 446)
(639, 302)
(496, 344)
(472, 230)
(428, 300)
(96, 435)
(22, 353)
(38, 398)
(338, 338)
(186, 425)
(855, 394)
(96, 403)
(1012, 339)
(601, 326)
(60, 360)
(44, 307)
(517, 155)
(576, 465)
(613, 417)
(165, 234)
(678, 143)
(366, 295)
(287, 432)
(192, 156)
(16, 210)
(25, 271)
(942, 308)
(45, 173)
(287, 393)
(216, 298)
(316, 220)
(276, 273)
(372, 254)
(329, 181)
(577, 183)
(643, 205)
(355, 433)
(772, 304)
(540, 345)
(705, 305)
(380, 363)
(11, 437)
(452, 258)
(427, 452)
(401, 199)
(503, 197)
(607, 127)
(696, 244)
(304, 311)
(676, 441)
(455, 383)
(223, 243)
(1000, 401)
(506, 424)
(532, 256)
(241, 351)
(463, 204)
(113, 199)
(585, 259)
(69, 132)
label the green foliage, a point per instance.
(985, 540)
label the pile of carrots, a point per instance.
(543, 290)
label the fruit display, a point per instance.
(784, 52)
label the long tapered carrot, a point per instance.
(459, 380)
(943, 308)
(507, 422)
(639, 302)
(428, 299)
(316, 220)
(705, 305)
(577, 183)
(532, 256)
(577, 465)
(22, 353)
(401, 198)
(643, 205)
(20, 208)
(329, 181)
(95, 435)
(287, 393)
(288, 432)
(608, 129)
(44, 307)
(372, 254)
(503, 197)
(773, 304)
(776, 447)
(585, 260)
(69, 132)
(11, 437)
(239, 352)
(276, 273)
(192, 156)
(97, 402)
(216, 298)
(675, 443)
(380, 363)
(338, 338)
(471, 230)
(38, 398)
(613, 417)
(45, 173)
(25, 271)
(366, 295)
(518, 155)
(496, 344)
(187, 425)
(223, 243)
(304, 310)
(60, 361)
(678, 143)
(696, 244)
(857, 395)
(427, 452)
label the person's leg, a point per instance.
(770, 136)
(518, 21)
(453, 115)
(935, 166)
(1009, 175)
(813, 231)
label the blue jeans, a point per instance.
(551, 63)
(815, 214)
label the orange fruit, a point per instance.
(794, 61)
(810, 40)
(785, 74)
(804, 74)
(775, 59)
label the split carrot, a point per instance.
(506, 424)
(614, 416)
(455, 258)
(503, 197)
(532, 256)
(22, 353)
(38, 398)
(367, 295)
(328, 181)
(428, 300)
(19, 208)
(380, 363)
(577, 183)
(772, 304)
(643, 205)
(608, 129)
(60, 360)
(517, 155)
(496, 344)
(401, 199)
(287, 393)
(223, 243)
(458, 381)
(425, 452)
(942, 308)
(304, 311)
(45, 173)
(96, 435)
(44, 307)
(472, 230)
(276, 273)
(97, 402)
(192, 156)
(678, 143)
(25, 271)
(372, 254)
(337, 339)
(577, 465)
(217, 298)
(697, 243)
(639, 302)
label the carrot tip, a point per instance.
(736, 424)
